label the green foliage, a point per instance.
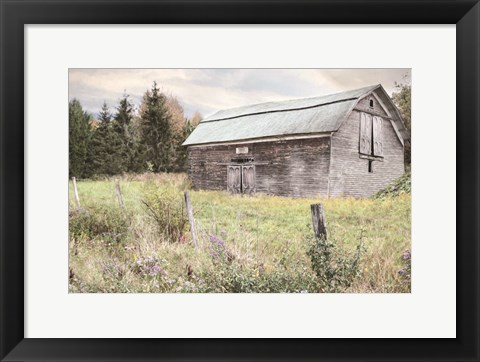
(79, 140)
(402, 185)
(122, 126)
(181, 151)
(129, 141)
(106, 146)
(166, 207)
(238, 278)
(403, 100)
(109, 224)
(157, 131)
(335, 268)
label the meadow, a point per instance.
(246, 244)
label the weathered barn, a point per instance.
(344, 144)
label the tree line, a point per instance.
(129, 140)
(402, 97)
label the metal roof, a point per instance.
(299, 116)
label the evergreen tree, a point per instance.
(181, 151)
(137, 163)
(122, 125)
(79, 140)
(157, 131)
(106, 146)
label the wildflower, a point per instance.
(401, 271)
(406, 255)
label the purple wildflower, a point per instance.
(217, 246)
(149, 266)
(406, 255)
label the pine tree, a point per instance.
(122, 125)
(79, 140)
(106, 146)
(156, 131)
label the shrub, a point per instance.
(111, 224)
(165, 206)
(335, 268)
(238, 278)
(398, 187)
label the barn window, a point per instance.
(371, 103)
(371, 143)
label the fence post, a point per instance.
(319, 221)
(191, 220)
(75, 191)
(119, 194)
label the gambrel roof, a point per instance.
(293, 117)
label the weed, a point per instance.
(164, 204)
(335, 268)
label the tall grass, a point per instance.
(246, 244)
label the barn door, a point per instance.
(241, 179)
(234, 179)
(377, 136)
(248, 179)
(365, 134)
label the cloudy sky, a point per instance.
(209, 90)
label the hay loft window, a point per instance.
(371, 143)
(371, 103)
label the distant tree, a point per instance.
(122, 126)
(177, 116)
(178, 126)
(402, 99)
(106, 145)
(157, 133)
(80, 132)
(196, 119)
(190, 125)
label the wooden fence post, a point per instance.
(75, 191)
(188, 204)
(319, 221)
(119, 194)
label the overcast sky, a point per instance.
(209, 90)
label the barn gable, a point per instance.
(276, 119)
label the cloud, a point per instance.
(208, 90)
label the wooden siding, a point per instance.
(349, 174)
(364, 104)
(297, 168)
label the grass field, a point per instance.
(246, 244)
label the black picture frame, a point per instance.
(15, 14)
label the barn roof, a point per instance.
(299, 116)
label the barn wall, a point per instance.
(297, 168)
(349, 174)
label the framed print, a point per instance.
(208, 240)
